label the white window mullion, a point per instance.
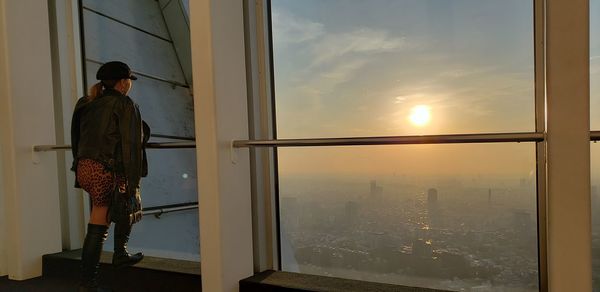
(568, 145)
(540, 127)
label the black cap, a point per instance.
(114, 70)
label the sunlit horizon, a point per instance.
(403, 67)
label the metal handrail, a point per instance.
(151, 145)
(395, 140)
(173, 137)
(158, 211)
(357, 141)
(171, 145)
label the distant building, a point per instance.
(432, 197)
(376, 191)
(595, 197)
(523, 222)
(350, 216)
(422, 248)
(433, 208)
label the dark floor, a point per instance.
(38, 285)
(61, 274)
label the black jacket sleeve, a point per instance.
(147, 132)
(75, 123)
(130, 124)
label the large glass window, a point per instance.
(595, 126)
(449, 217)
(150, 36)
(400, 67)
(442, 216)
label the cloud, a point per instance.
(341, 72)
(462, 72)
(290, 29)
(363, 41)
(323, 59)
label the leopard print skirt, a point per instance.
(97, 181)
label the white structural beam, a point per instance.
(68, 87)
(221, 115)
(568, 146)
(30, 201)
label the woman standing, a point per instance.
(108, 138)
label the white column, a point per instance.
(221, 115)
(569, 214)
(68, 87)
(3, 254)
(30, 191)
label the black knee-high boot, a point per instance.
(90, 257)
(121, 257)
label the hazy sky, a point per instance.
(360, 68)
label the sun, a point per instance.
(420, 115)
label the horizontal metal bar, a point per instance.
(157, 213)
(151, 145)
(395, 140)
(187, 204)
(172, 82)
(171, 145)
(357, 141)
(173, 137)
(43, 148)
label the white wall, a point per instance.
(31, 201)
(3, 256)
(3, 85)
(68, 87)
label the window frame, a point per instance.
(260, 51)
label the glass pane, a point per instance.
(402, 67)
(142, 32)
(595, 65)
(595, 193)
(171, 180)
(595, 126)
(453, 217)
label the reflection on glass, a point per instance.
(360, 68)
(453, 217)
(171, 180)
(168, 109)
(595, 193)
(595, 126)
(595, 65)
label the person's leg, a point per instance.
(121, 257)
(92, 249)
(98, 182)
(99, 215)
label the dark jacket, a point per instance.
(109, 129)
